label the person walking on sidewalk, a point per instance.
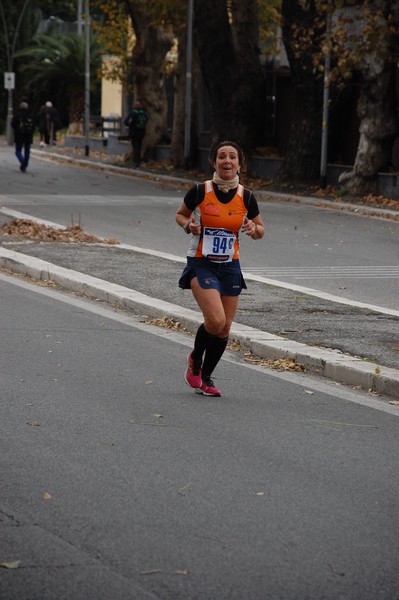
(23, 126)
(48, 121)
(136, 120)
(214, 213)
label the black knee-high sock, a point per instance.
(214, 352)
(202, 341)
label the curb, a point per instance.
(328, 363)
(101, 166)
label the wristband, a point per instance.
(186, 227)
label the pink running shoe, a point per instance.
(193, 374)
(208, 388)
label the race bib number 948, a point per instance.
(218, 244)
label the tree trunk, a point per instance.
(230, 63)
(378, 129)
(76, 114)
(148, 62)
(377, 111)
(302, 159)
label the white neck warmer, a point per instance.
(224, 185)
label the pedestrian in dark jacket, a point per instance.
(23, 126)
(48, 121)
(136, 120)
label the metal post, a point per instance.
(87, 77)
(79, 18)
(187, 123)
(326, 100)
(9, 131)
(10, 51)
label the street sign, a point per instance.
(9, 81)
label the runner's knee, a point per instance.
(215, 324)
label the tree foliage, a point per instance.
(60, 59)
(231, 38)
(227, 37)
(116, 39)
(19, 20)
(251, 28)
(64, 9)
(363, 44)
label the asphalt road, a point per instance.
(336, 252)
(118, 482)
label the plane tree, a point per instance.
(365, 42)
(363, 46)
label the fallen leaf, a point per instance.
(158, 416)
(377, 371)
(108, 442)
(14, 564)
(33, 423)
(166, 322)
(279, 364)
(148, 382)
(183, 490)
(340, 573)
(182, 572)
(37, 231)
(309, 392)
(46, 496)
(394, 402)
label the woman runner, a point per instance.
(214, 212)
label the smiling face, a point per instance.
(227, 162)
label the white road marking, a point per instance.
(330, 272)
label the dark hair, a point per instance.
(218, 145)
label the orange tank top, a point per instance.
(220, 224)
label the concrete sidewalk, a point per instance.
(356, 345)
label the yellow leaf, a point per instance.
(46, 496)
(14, 564)
(183, 490)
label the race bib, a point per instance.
(218, 244)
